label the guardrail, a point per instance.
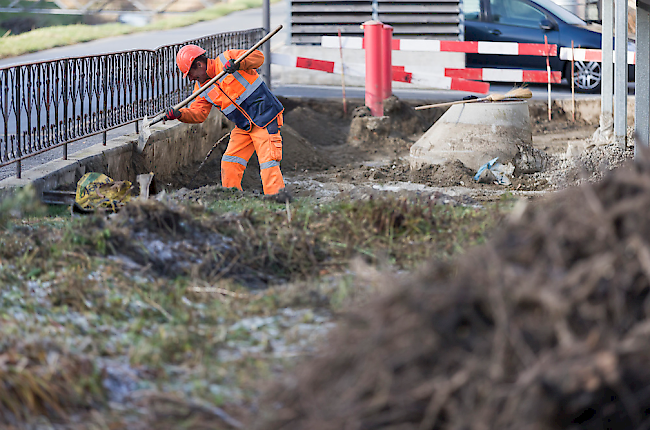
(47, 105)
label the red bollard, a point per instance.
(372, 37)
(387, 60)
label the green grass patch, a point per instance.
(62, 35)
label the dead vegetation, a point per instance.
(544, 327)
(173, 312)
(170, 313)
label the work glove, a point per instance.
(171, 114)
(231, 66)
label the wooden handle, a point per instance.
(449, 103)
(211, 82)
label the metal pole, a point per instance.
(372, 44)
(620, 73)
(266, 48)
(642, 75)
(387, 61)
(607, 76)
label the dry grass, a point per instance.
(190, 305)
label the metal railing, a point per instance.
(46, 105)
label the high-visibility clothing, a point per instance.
(242, 96)
(267, 142)
(246, 100)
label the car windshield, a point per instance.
(560, 12)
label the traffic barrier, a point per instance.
(583, 54)
(496, 48)
(504, 75)
(399, 74)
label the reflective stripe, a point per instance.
(249, 89)
(224, 60)
(207, 94)
(269, 164)
(233, 159)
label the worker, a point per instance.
(245, 99)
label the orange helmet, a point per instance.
(186, 56)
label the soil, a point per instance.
(329, 150)
(544, 327)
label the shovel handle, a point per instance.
(450, 103)
(211, 82)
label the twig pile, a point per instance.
(545, 327)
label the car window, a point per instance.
(516, 12)
(560, 12)
(472, 10)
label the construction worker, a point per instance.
(245, 99)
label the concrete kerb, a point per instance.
(171, 146)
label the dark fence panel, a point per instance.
(49, 104)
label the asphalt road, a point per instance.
(248, 19)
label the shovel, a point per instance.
(145, 132)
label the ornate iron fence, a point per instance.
(49, 104)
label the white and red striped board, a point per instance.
(432, 81)
(582, 54)
(504, 75)
(496, 48)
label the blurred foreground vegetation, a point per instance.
(171, 314)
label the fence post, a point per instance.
(387, 60)
(372, 37)
(18, 92)
(66, 84)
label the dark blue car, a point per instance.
(528, 21)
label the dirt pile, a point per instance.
(318, 128)
(392, 133)
(544, 327)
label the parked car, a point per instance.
(528, 21)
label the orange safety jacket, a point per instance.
(242, 96)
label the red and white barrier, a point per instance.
(582, 54)
(504, 75)
(399, 75)
(496, 48)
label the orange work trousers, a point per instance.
(267, 142)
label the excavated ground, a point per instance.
(328, 153)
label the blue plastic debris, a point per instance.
(499, 171)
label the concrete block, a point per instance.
(475, 133)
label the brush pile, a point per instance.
(545, 327)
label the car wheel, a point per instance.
(587, 76)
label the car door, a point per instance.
(514, 21)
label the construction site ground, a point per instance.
(377, 298)
(327, 154)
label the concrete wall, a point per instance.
(170, 147)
